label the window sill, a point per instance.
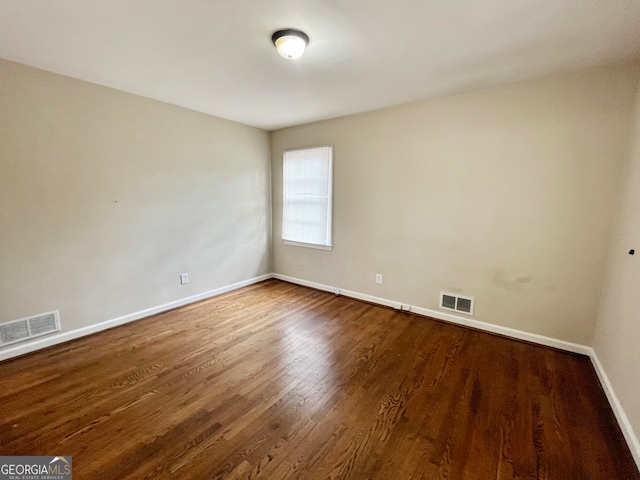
(308, 245)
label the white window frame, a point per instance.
(329, 243)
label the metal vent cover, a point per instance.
(457, 303)
(30, 327)
(464, 305)
(448, 301)
(14, 332)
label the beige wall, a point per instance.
(617, 332)
(505, 195)
(105, 198)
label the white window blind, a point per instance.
(306, 208)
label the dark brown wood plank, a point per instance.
(278, 381)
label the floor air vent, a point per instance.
(28, 328)
(456, 303)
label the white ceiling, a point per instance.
(216, 56)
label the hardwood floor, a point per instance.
(278, 381)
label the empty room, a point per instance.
(320, 239)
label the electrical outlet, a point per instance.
(184, 278)
(379, 278)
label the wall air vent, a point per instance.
(27, 328)
(456, 303)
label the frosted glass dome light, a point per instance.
(290, 43)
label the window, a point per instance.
(306, 206)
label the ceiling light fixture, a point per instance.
(290, 43)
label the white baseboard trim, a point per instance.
(448, 317)
(616, 406)
(44, 342)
